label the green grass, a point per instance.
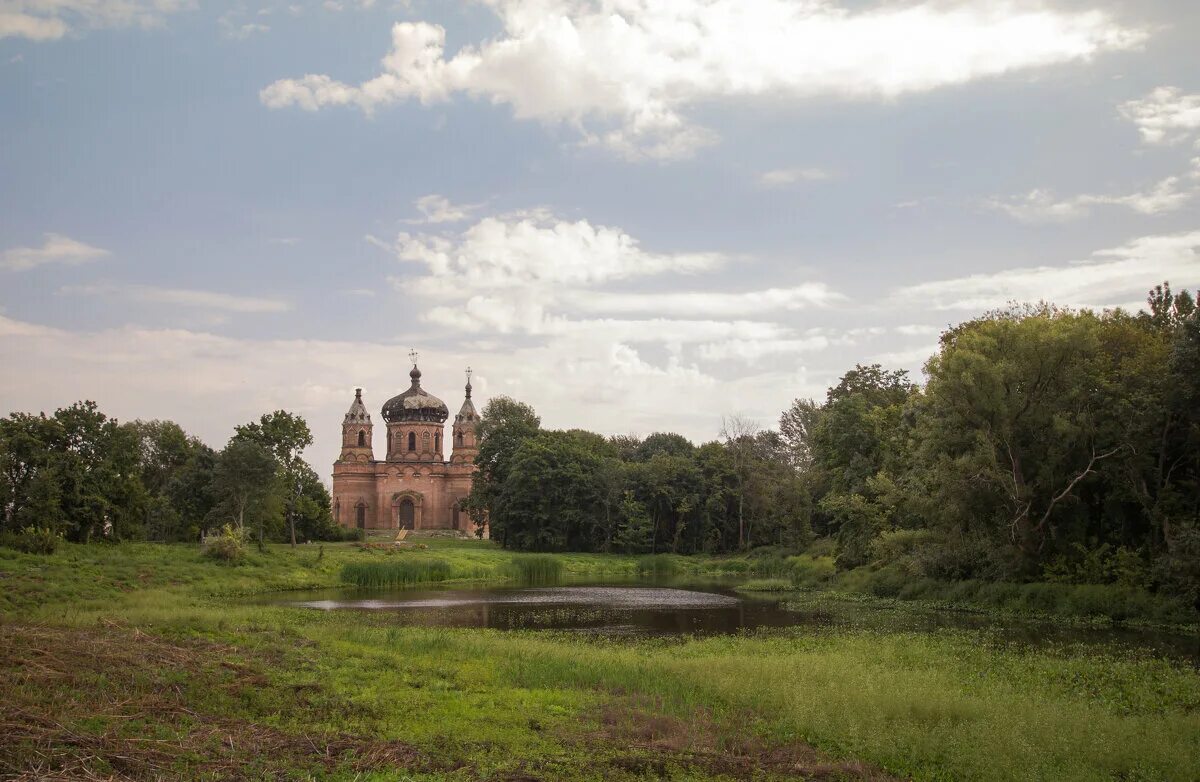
(766, 585)
(659, 565)
(120, 644)
(535, 569)
(396, 572)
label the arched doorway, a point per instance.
(407, 514)
(360, 516)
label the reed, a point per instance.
(396, 572)
(657, 565)
(534, 569)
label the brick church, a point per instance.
(414, 486)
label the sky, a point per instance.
(635, 216)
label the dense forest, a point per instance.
(1046, 444)
(82, 476)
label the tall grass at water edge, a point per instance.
(396, 572)
(535, 569)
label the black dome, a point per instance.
(415, 404)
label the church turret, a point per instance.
(466, 443)
(356, 431)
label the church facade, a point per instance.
(414, 486)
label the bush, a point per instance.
(811, 571)
(33, 540)
(226, 546)
(1100, 565)
(899, 546)
(822, 547)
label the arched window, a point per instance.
(437, 443)
(412, 441)
(362, 438)
(458, 438)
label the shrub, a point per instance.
(810, 571)
(396, 572)
(1100, 565)
(535, 569)
(33, 540)
(226, 546)
(822, 547)
(898, 546)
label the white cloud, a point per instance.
(537, 249)
(1113, 277)
(438, 209)
(47, 20)
(625, 73)
(182, 297)
(754, 350)
(782, 177)
(711, 304)
(56, 249)
(1041, 206)
(1165, 116)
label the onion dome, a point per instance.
(415, 404)
(467, 411)
(357, 414)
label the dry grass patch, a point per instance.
(114, 703)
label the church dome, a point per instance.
(415, 404)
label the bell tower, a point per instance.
(465, 442)
(356, 432)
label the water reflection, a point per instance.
(691, 607)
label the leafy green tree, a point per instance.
(550, 499)
(191, 493)
(285, 436)
(635, 535)
(664, 443)
(245, 481)
(504, 426)
(1018, 397)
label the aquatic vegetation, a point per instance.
(658, 565)
(534, 569)
(396, 572)
(766, 585)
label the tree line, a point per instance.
(85, 476)
(1046, 443)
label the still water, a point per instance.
(698, 607)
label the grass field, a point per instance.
(143, 661)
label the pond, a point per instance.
(682, 606)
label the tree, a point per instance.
(1023, 392)
(796, 426)
(191, 493)
(665, 443)
(245, 486)
(285, 436)
(738, 433)
(503, 427)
